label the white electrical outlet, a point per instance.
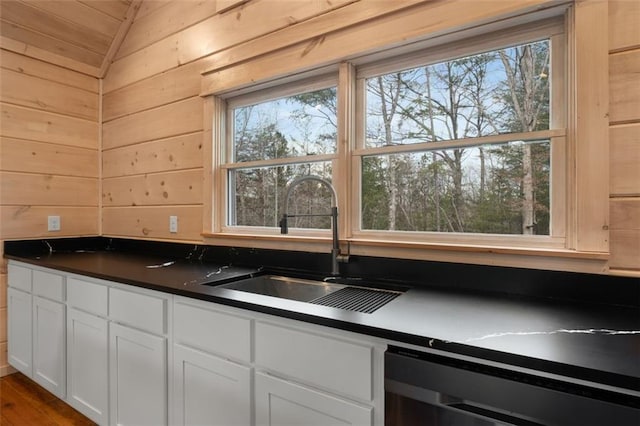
(173, 224)
(53, 223)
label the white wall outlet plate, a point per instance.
(173, 224)
(53, 223)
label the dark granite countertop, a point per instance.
(589, 341)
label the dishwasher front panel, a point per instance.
(432, 390)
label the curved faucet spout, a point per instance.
(297, 181)
(284, 227)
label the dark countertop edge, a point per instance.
(529, 363)
(107, 277)
(533, 364)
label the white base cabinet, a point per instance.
(210, 390)
(49, 356)
(20, 332)
(36, 326)
(123, 355)
(138, 382)
(87, 361)
(283, 403)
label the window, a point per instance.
(453, 143)
(274, 136)
(464, 145)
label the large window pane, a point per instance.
(260, 192)
(497, 92)
(304, 124)
(487, 189)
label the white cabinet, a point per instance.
(316, 376)
(123, 355)
(87, 365)
(210, 390)
(138, 377)
(49, 361)
(36, 326)
(211, 365)
(340, 366)
(87, 348)
(138, 362)
(283, 403)
(19, 321)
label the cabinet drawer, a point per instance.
(48, 285)
(336, 365)
(87, 296)
(19, 277)
(279, 402)
(138, 310)
(212, 331)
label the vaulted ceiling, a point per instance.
(79, 34)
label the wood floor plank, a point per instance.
(66, 415)
(24, 402)
(18, 410)
(29, 389)
(5, 421)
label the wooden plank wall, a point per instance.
(49, 133)
(152, 111)
(152, 156)
(154, 123)
(624, 135)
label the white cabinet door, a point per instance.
(19, 329)
(138, 377)
(49, 351)
(210, 390)
(280, 403)
(87, 364)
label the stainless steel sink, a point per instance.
(284, 287)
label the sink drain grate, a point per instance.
(357, 299)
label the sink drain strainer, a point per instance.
(357, 299)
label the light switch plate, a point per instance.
(53, 223)
(173, 224)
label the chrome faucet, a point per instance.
(336, 256)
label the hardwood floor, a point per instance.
(25, 403)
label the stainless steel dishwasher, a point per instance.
(433, 390)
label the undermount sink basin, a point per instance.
(284, 287)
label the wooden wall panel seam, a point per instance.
(624, 32)
(175, 153)
(45, 70)
(42, 41)
(111, 8)
(45, 95)
(175, 119)
(624, 81)
(81, 15)
(150, 6)
(25, 123)
(160, 172)
(213, 34)
(54, 27)
(30, 222)
(172, 12)
(143, 207)
(40, 54)
(158, 90)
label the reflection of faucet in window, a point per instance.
(284, 228)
